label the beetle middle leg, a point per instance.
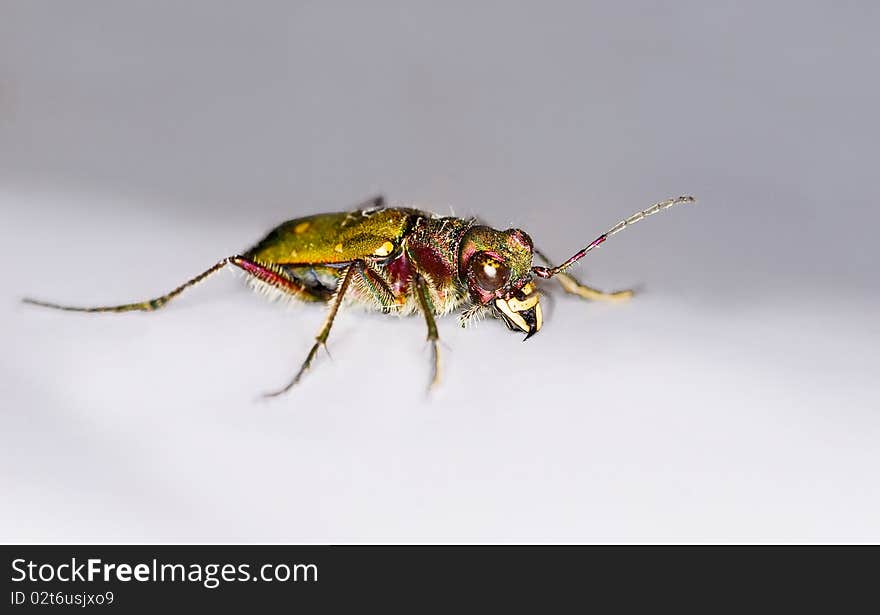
(324, 332)
(376, 287)
(573, 286)
(427, 307)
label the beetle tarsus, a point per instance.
(425, 305)
(302, 370)
(435, 369)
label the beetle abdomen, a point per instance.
(335, 238)
(320, 282)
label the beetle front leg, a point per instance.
(573, 286)
(427, 307)
(324, 332)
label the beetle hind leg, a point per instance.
(260, 272)
(142, 306)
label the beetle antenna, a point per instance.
(549, 272)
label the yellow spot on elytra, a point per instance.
(301, 228)
(338, 248)
(401, 300)
(384, 250)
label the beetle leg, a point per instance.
(324, 332)
(572, 285)
(261, 272)
(377, 287)
(275, 278)
(427, 307)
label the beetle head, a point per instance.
(496, 267)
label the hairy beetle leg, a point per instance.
(427, 308)
(376, 286)
(324, 332)
(255, 269)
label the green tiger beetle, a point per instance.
(402, 260)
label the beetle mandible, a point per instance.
(405, 261)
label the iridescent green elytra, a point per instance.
(404, 261)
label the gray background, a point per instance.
(735, 399)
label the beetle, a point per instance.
(402, 260)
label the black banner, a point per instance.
(148, 578)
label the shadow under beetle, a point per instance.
(403, 261)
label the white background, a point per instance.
(735, 399)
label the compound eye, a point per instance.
(490, 273)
